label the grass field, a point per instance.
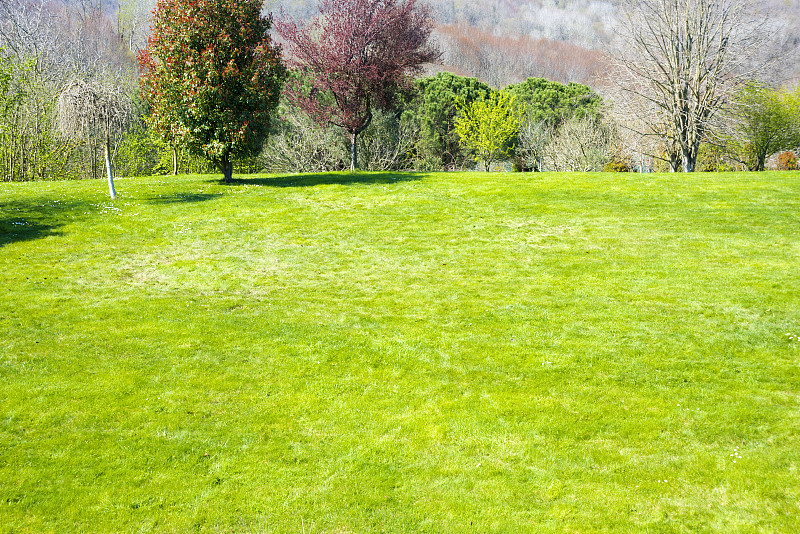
(438, 353)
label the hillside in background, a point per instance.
(578, 21)
(503, 59)
(505, 41)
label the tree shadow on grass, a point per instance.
(26, 220)
(179, 198)
(330, 178)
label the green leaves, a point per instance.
(212, 77)
(767, 122)
(435, 110)
(553, 103)
(488, 127)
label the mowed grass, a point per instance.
(436, 353)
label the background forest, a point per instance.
(561, 47)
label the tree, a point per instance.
(133, 21)
(553, 103)
(487, 127)
(580, 145)
(765, 121)
(212, 77)
(687, 58)
(548, 105)
(355, 56)
(10, 99)
(433, 107)
(532, 141)
(49, 43)
(95, 110)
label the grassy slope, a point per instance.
(402, 353)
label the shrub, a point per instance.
(582, 145)
(297, 144)
(618, 163)
(787, 161)
(487, 128)
(713, 158)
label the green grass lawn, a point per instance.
(436, 353)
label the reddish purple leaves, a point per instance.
(355, 56)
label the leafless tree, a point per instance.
(95, 110)
(681, 61)
(50, 42)
(645, 132)
(297, 144)
(134, 18)
(580, 145)
(534, 136)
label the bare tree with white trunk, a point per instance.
(680, 63)
(95, 110)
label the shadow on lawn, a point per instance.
(332, 178)
(28, 220)
(178, 198)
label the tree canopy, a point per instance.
(356, 56)
(681, 63)
(212, 77)
(766, 121)
(97, 110)
(553, 103)
(488, 126)
(434, 109)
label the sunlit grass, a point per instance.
(401, 353)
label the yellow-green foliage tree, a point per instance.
(767, 120)
(488, 127)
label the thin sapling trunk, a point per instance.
(109, 172)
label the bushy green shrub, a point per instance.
(713, 158)
(139, 153)
(432, 107)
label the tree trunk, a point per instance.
(174, 160)
(109, 174)
(674, 161)
(354, 145)
(689, 159)
(761, 162)
(226, 166)
(353, 152)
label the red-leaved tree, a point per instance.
(356, 56)
(212, 77)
